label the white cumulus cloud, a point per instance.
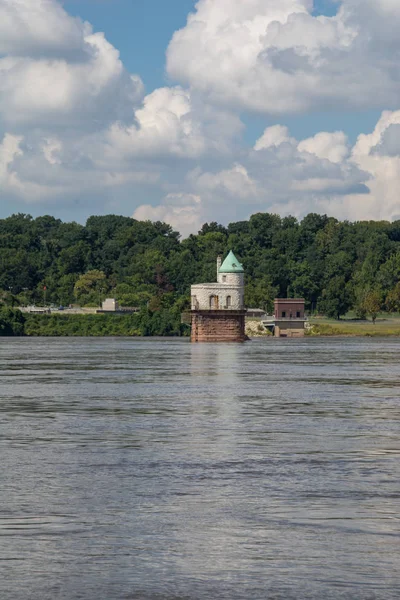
(277, 57)
(372, 155)
(183, 211)
(272, 136)
(164, 125)
(38, 27)
(332, 146)
(76, 128)
(55, 70)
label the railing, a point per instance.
(215, 308)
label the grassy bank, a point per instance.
(384, 326)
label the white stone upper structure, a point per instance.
(227, 293)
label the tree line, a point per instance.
(336, 266)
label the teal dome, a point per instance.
(231, 265)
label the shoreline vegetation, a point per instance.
(143, 324)
(338, 267)
(382, 327)
(168, 324)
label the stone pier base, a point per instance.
(218, 326)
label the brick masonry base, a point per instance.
(218, 326)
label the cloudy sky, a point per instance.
(190, 112)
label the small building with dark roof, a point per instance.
(289, 318)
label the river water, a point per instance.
(145, 469)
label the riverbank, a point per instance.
(164, 323)
(383, 327)
(167, 323)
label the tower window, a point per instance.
(228, 301)
(224, 278)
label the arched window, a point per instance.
(228, 301)
(214, 302)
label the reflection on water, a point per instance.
(161, 470)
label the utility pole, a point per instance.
(44, 295)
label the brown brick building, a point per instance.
(288, 319)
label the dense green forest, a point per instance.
(335, 266)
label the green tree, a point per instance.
(389, 272)
(302, 283)
(373, 304)
(359, 302)
(11, 322)
(90, 287)
(392, 302)
(260, 294)
(336, 298)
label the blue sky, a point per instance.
(285, 107)
(140, 29)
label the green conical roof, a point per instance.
(231, 265)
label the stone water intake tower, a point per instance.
(217, 309)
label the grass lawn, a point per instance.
(385, 325)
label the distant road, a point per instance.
(65, 311)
